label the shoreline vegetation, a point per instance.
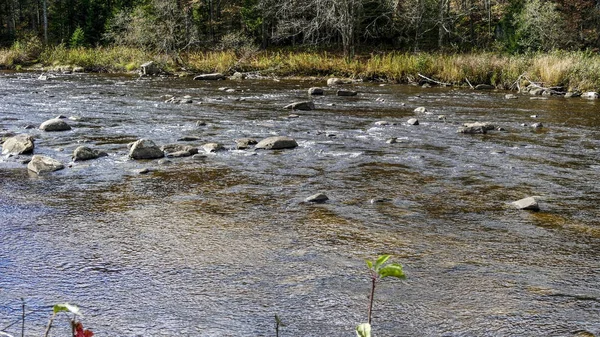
(571, 70)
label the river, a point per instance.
(218, 246)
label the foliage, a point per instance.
(77, 39)
(76, 326)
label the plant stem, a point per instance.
(49, 325)
(374, 280)
(23, 317)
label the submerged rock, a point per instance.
(276, 143)
(306, 105)
(484, 125)
(42, 164)
(55, 124)
(145, 149)
(19, 144)
(178, 150)
(529, 203)
(85, 153)
(212, 147)
(346, 93)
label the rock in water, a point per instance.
(346, 93)
(145, 149)
(85, 153)
(317, 198)
(315, 91)
(42, 164)
(276, 143)
(412, 121)
(244, 143)
(19, 144)
(55, 125)
(420, 109)
(212, 147)
(590, 95)
(179, 150)
(308, 105)
(209, 77)
(529, 203)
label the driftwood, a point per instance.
(434, 81)
(537, 85)
(469, 83)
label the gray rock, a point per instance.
(244, 143)
(382, 123)
(78, 69)
(529, 203)
(511, 96)
(306, 105)
(145, 149)
(317, 198)
(19, 144)
(573, 94)
(393, 140)
(149, 69)
(178, 150)
(42, 164)
(472, 130)
(212, 147)
(484, 125)
(276, 143)
(412, 121)
(55, 125)
(338, 81)
(590, 95)
(536, 91)
(346, 93)
(315, 91)
(537, 125)
(188, 139)
(420, 109)
(237, 76)
(85, 153)
(484, 87)
(209, 77)
(200, 123)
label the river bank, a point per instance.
(571, 70)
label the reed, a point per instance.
(570, 69)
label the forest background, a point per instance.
(498, 42)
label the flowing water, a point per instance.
(217, 246)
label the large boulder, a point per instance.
(307, 105)
(42, 164)
(277, 142)
(19, 144)
(209, 77)
(145, 149)
(55, 124)
(85, 153)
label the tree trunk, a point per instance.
(45, 18)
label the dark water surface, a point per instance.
(218, 246)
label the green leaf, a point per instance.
(369, 264)
(381, 260)
(363, 330)
(68, 308)
(392, 269)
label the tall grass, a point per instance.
(570, 69)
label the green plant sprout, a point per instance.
(77, 329)
(378, 271)
(278, 323)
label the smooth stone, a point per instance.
(485, 125)
(316, 91)
(178, 150)
(212, 147)
(420, 109)
(307, 105)
(145, 149)
(209, 77)
(382, 123)
(55, 125)
(412, 121)
(537, 125)
(42, 164)
(590, 95)
(276, 143)
(337, 81)
(85, 153)
(317, 198)
(19, 144)
(511, 96)
(529, 203)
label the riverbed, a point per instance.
(219, 245)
